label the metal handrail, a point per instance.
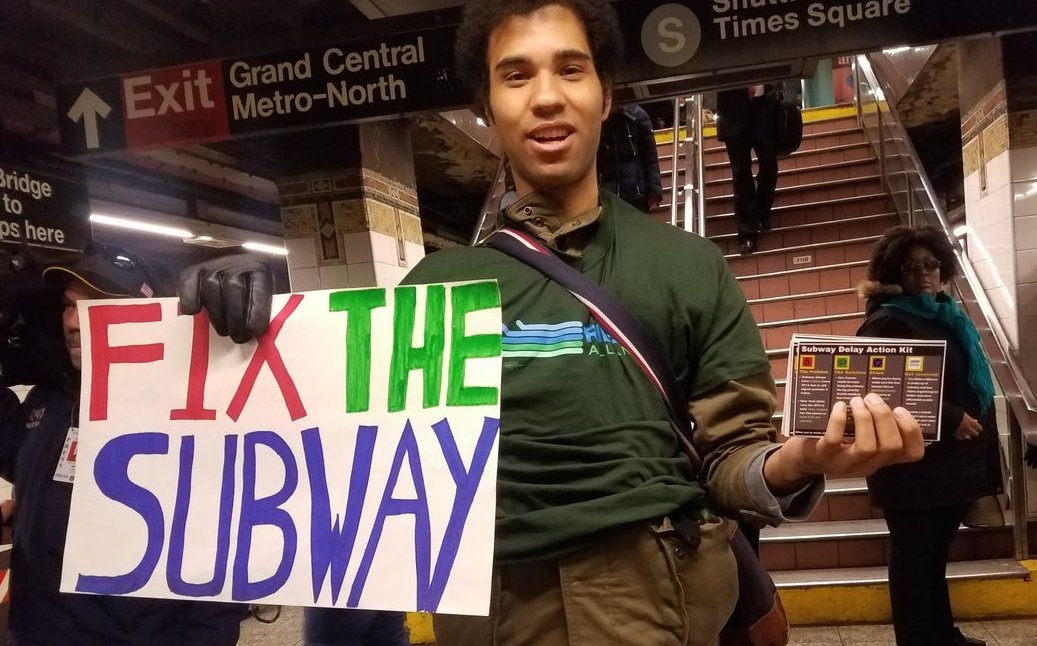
(491, 204)
(1025, 393)
(700, 171)
(1022, 405)
(677, 102)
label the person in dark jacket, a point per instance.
(628, 159)
(925, 502)
(32, 437)
(746, 124)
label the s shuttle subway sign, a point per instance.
(213, 100)
(347, 458)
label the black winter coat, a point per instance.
(953, 471)
(31, 439)
(739, 115)
(628, 159)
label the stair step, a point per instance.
(956, 570)
(864, 145)
(825, 531)
(811, 319)
(812, 225)
(788, 272)
(837, 486)
(785, 170)
(785, 190)
(805, 247)
(807, 136)
(793, 297)
(806, 205)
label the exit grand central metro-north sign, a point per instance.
(404, 73)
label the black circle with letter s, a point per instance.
(671, 35)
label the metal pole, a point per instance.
(881, 134)
(910, 200)
(673, 166)
(700, 172)
(857, 94)
(1017, 476)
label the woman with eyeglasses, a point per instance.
(924, 502)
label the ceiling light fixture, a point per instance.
(265, 248)
(136, 225)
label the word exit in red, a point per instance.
(174, 104)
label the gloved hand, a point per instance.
(236, 292)
(1031, 456)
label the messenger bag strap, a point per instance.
(617, 321)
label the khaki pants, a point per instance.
(641, 587)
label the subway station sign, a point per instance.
(405, 73)
(42, 211)
(695, 37)
(222, 99)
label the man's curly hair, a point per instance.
(891, 252)
(481, 17)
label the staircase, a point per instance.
(829, 209)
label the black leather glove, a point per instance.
(236, 292)
(1031, 456)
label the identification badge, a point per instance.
(66, 470)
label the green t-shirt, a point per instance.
(586, 445)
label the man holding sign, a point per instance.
(38, 450)
(603, 530)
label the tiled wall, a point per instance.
(1024, 207)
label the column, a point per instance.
(349, 206)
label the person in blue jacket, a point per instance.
(628, 158)
(32, 435)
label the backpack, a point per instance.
(788, 127)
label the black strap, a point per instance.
(615, 318)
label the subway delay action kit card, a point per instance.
(823, 370)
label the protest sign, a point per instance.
(347, 458)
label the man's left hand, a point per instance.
(882, 437)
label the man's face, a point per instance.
(74, 293)
(546, 100)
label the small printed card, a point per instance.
(823, 370)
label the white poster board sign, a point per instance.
(348, 458)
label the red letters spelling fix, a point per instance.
(103, 355)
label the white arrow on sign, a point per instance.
(88, 107)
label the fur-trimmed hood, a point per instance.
(870, 288)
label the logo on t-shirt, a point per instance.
(542, 340)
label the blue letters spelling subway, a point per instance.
(333, 533)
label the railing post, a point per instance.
(674, 172)
(1017, 495)
(857, 93)
(700, 172)
(910, 200)
(881, 135)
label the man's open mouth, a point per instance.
(551, 135)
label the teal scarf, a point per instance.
(944, 311)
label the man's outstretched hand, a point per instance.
(235, 292)
(882, 437)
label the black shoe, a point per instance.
(765, 225)
(962, 640)
(747, 246)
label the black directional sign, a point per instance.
(689, 37)
(401, 73)
(211, 100)
(41, 210)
